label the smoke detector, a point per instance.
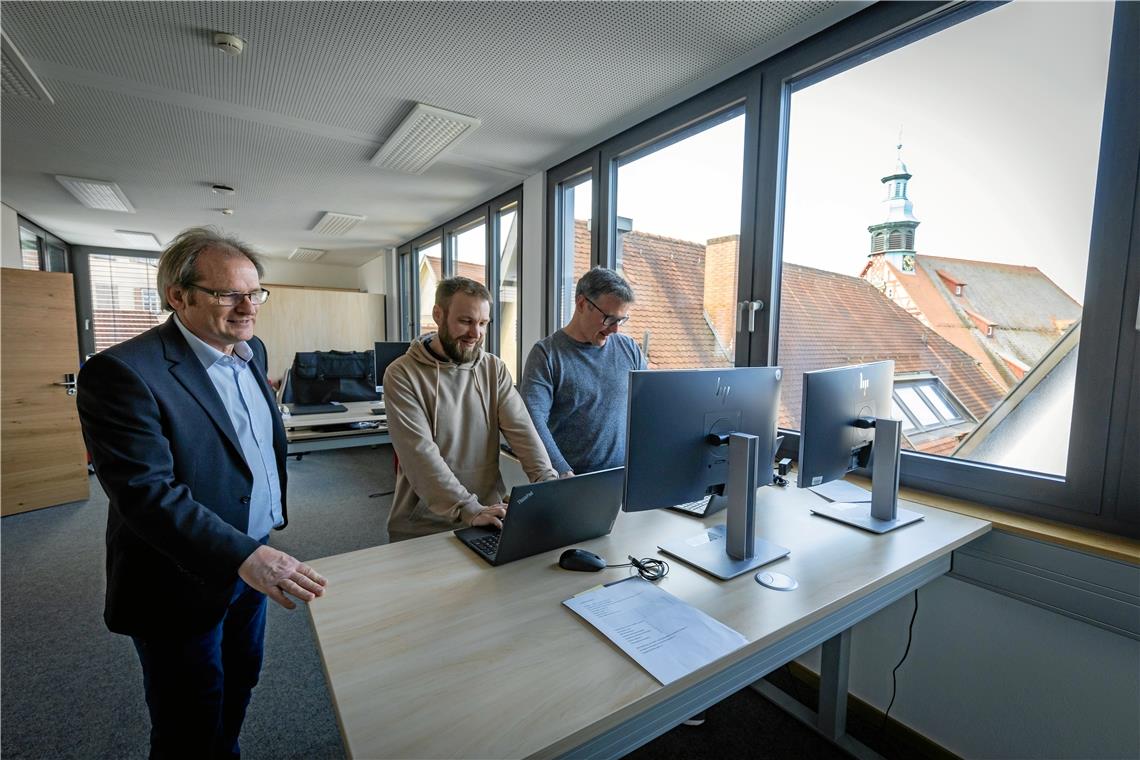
(227, 212)
(230, 44)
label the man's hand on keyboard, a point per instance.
(491, 516)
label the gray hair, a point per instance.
(177, 263)
(600, 281)
(452, 285)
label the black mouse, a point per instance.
(580, 559)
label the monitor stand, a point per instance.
(883, 514)
(726, 551)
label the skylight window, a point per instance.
(925, 404)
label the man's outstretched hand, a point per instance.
(274, 573)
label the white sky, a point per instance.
(1000, 119)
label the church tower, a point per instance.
(892, 239)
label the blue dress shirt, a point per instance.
(252, 420)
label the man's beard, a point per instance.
(452, 349)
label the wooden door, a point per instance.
(43, 461)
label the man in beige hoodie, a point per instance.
(447, 401)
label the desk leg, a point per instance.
(830, 720)
(836, 656)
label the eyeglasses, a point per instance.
(233, 297)
(609, 320)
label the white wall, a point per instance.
(373, 276)
(10, 238)
(989, 676)
(281, 272)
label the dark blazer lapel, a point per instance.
(188, 370)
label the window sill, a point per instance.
(1070, 536)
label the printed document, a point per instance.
(664, 635)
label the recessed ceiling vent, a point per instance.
(144, 240)
(422, 137)
(96, 193)
(335, 225)
(18, 77)
(306, 254)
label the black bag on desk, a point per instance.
(322, 376)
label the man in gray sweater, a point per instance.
(576, 381)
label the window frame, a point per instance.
(1076, 497)
(43, 240)
(416, 245)
(405, 271)
(445, 234)
(1093, 493)
(583, 167)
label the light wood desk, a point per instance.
(432, 653)
(309, 432)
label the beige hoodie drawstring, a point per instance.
(483, 398)
(435, 402)
(435, 405)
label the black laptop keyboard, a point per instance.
(488, 545)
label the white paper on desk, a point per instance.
(841, 490)
(666, 636)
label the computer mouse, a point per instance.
(580, 559)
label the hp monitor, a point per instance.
(701, 431)
(847, 425)
(384, 354)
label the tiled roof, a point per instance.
(829, 320)
(668, 278)
(470, 270)
(1023, 304)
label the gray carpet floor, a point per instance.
(71, 689)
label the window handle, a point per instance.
(755, 306)
(751, 307)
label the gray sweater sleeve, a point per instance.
(537, 389)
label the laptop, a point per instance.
(299, 409)
(550, 515)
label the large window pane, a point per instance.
(508, 295)
(470, 247)
(958, 248)
(678, 244)
(430, 271)
(574, 247)
(29, 249)
(124, 297)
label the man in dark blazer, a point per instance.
(187, 443)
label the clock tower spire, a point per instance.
(893, 238)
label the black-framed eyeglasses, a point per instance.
(609, 320)
(233, 297)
